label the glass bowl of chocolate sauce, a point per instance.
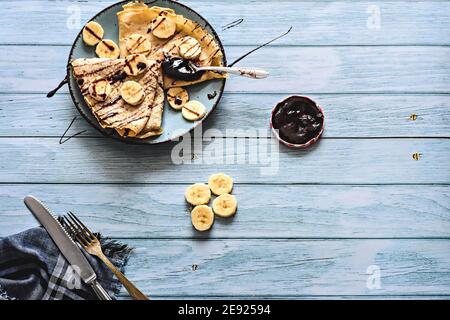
(297, 121)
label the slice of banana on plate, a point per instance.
(202, 218)
(177, 97)
(132, 92)
(197, 194)
(138, 44)
(163, 27)
(193, 110)
(225, 205)
(135, 64)
(107, 49)
(189, 48)
(92, 33)
(100, 89)
(220, 183)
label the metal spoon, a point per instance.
(182, 69)
(245, 72)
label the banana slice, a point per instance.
(92, 33)
(132, 92)
(163, 28)
(202, 217)
(138, 44)
(135, 64)
(193, 110)
(100, 89)
(220, 183)
(198, 194)
(177, 97)
(189, 48)
(225, 205)
(107, 49)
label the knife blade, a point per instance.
(66, 245)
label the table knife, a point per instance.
(65, 244)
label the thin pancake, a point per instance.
(114, 112)
(136, 19)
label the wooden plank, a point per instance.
(265, 211)
(290, 267)
(314, 23)
(246, 114)
(339, 161)
(293, 69)
(36, 115)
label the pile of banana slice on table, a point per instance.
(199, 195)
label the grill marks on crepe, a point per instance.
(114, 112)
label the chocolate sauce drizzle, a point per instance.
(159, 23)
(63, 82)
(92, 32)
(232, 24)
(61, 141)
(259, 47)
(212, 95)
(118, 76)
(137, 44)
(106, 44)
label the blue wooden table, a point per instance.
(355, 216)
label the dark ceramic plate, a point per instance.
(173, 123)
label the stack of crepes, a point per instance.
(143, 120)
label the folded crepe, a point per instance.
(136, 18)
(141, 121)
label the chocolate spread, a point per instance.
(180, 69)
(298, 120)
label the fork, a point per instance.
(91, 244)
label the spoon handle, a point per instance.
(245, 72)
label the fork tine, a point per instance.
(86, 229)
(80, 229)
(66, 225)
(76, 232)
(80, 232)
(69, 225)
